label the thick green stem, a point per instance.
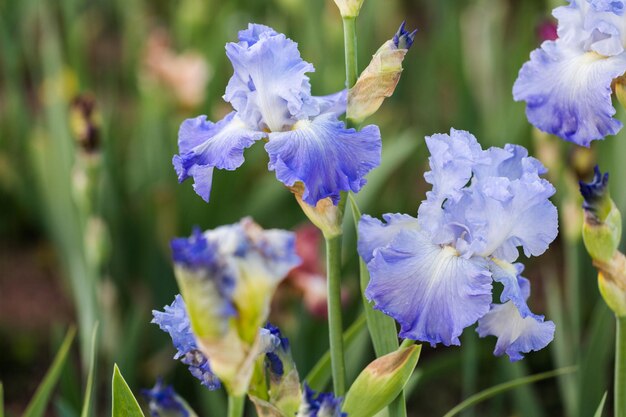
(620, 368)
(349, 40)
(335, 326)
(236, 405)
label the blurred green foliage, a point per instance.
(116, 268)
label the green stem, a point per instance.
(349, 40)
(236, 405)
(335, 326)
(620, 368)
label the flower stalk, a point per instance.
(236, 405)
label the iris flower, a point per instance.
(165, 402)
(175, 321)
(567, 82)
(271, 96)
(434, 273)
(227, 278)
(320, 404)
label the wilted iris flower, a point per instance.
(227, 278)
(164, 402)
(567, 82)
(306, 142)
(434, 273)
(175, 321)
(319, 404)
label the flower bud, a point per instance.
(277, 389)
(381, 382)
(379, 80)
(320, 405)
(619, 85)
(602, 228)
(349, 8)
(325, 215)
(612, 283)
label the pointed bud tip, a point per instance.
(595, 191)
(403, 39)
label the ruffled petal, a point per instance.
(508, 214)
(516, 288)
(174, 320)
(567, 91)
(374, 234)
(453, 159)
(335, 103)
(204, 145)
(431, 291)
(516, 335)
(269, 88)
(325, 156)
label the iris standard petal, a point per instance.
(508, 214)
(269, 88)
(567, 91)
(335, 103)
(374, 234)
(516, 335)
(325, 156)
(204, 145)
(431, 291)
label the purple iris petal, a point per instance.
(205, 145)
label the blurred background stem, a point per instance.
(620, 368)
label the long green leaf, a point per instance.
(382, 328)
(600, 407)
(320, 375)
(500, 388)
(86, 412)
(124, 402)
(37, 405)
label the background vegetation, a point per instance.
(73, 256)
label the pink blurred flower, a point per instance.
(310, 277)
(184, 74)
(546, 31)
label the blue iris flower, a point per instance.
(567, 82)
(434, 273)
(320, 404)
(175, 321)
(271, 96)
(164, 401)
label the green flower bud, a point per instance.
(602, 228)
(380, 78)
(349, 8)
(381, 382)
(612, 283)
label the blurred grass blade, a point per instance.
(600, 407)
(319, 376)
(86, 412)
(37, 405)
(124, 402)
(500, 388)
(1, 400)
